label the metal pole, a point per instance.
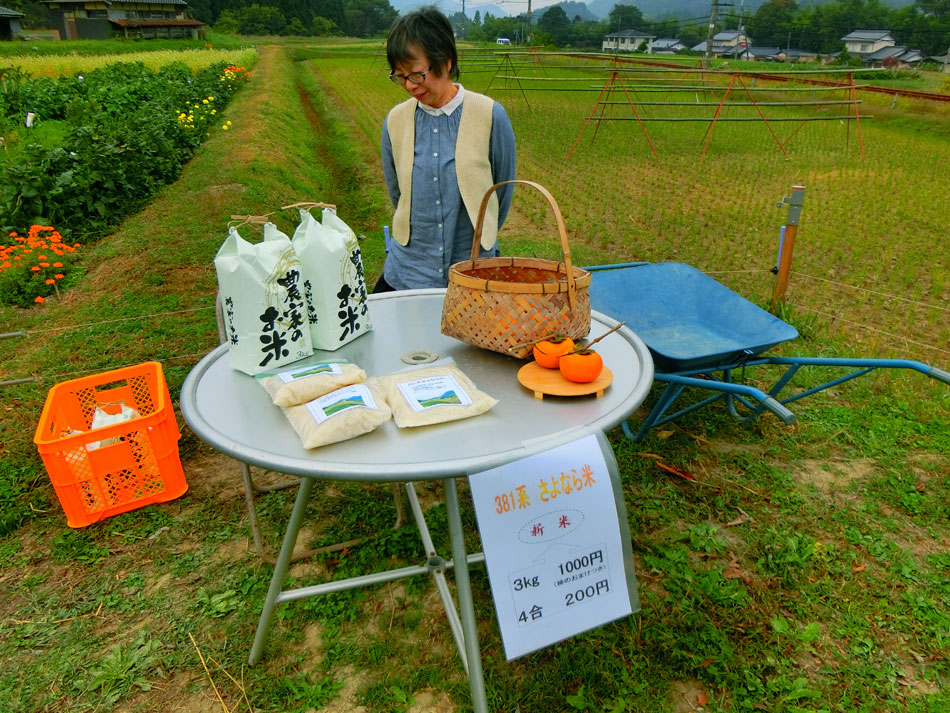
(795, 203)
(476, 678)
(713, 12)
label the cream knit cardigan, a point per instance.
(472, 166)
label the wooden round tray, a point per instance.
(551, 382)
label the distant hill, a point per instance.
(450, 7)
(571, 8)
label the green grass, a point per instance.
(803, 570)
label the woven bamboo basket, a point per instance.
(506, 304)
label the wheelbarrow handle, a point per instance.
(939, 375)
(776, 407)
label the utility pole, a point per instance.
(713, 14)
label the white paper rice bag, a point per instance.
(340, 415)
(262, 301)
(300, 384)
(334, 284)
(434, 394)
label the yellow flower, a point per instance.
(229, 123)
(224, 126)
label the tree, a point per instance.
(295, 27)
(624, 17)
(365, 18)
(772, 22)
(261, 20)
(478, 17)
(937, 8)
(555, 22)
(322, 27)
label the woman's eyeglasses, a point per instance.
(414, 77)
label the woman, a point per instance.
(442, 150)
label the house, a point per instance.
(793, 55)
(101, 19)
(729, 43)
(10, 24)
(628, 41)
(864, 42)
(667, 45)
(893, 57)
(763, 54)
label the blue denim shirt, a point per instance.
(440, 231)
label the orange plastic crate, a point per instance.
(110, 470)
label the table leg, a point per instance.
(280, 569)
(476, 679)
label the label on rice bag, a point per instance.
(434, 391)
(336, 402)
(310, 370)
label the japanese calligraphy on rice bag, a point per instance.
(262, 302)
(333, 280)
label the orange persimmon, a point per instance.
(582, 367)
(549, 351)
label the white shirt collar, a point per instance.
(450, 106)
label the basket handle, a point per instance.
(565, 248)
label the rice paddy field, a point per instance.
(869, 261)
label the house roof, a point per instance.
(868, 36)
(792, 52)
(726, 35)
(666, 43)
(885, 52)
(716, 48)
(4, 12)
(765, 51)
(631, 33)
(157, 23)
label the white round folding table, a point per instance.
(231, 412)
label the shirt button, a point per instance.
(440, 249)
(438, 202)
(440, 225)
(436, 154)
(435, 131)
(435, 178)
(440, 271)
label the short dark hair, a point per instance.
(429, 30)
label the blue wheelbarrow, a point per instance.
(700, 332)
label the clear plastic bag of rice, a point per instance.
(301, 384)
(434, 394)
(340, 415)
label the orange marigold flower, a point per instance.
(35, 268)
(58, 276)
(41, 257)
(39, 300)
(51, 282)
(44, 264)
(76, 245)
(57, 264)
(13, 234)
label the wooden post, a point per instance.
(795, 203)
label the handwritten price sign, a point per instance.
(556, 544)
